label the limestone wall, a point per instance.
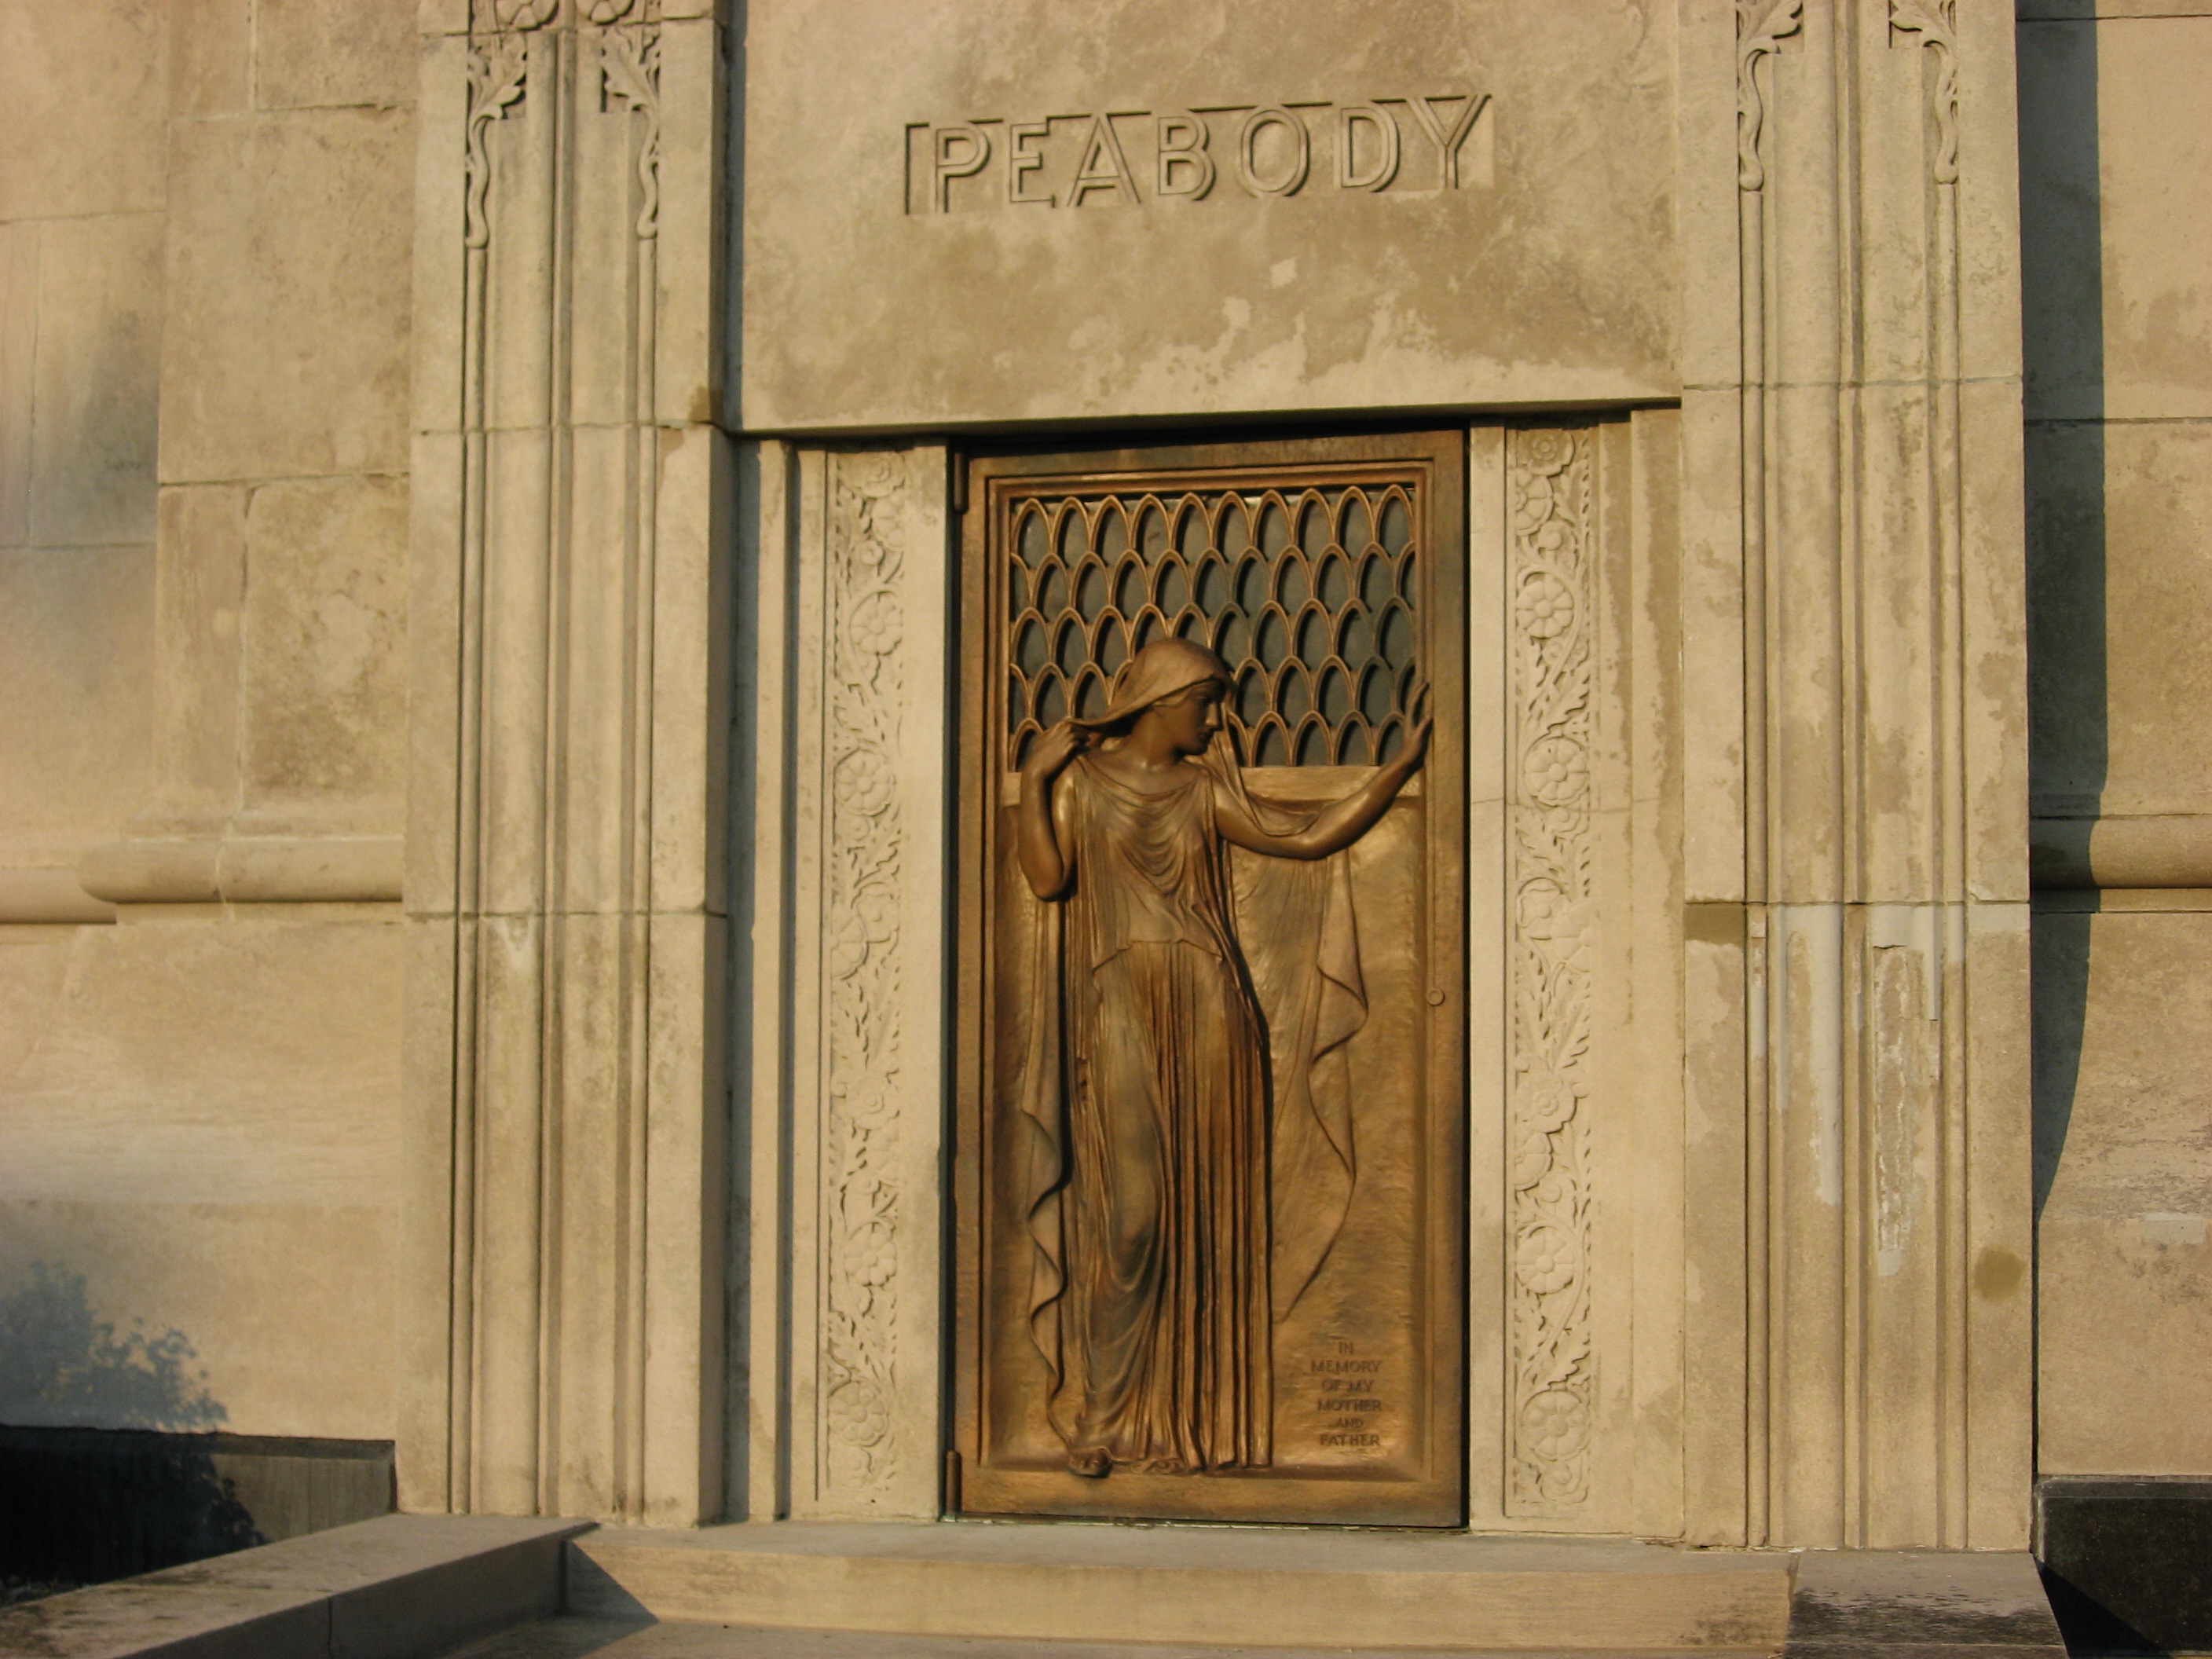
(2117, 193)
(205, 311)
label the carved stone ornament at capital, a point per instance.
(524, 14)
(488, 16)
(1760, 27)
(1552, 1394)
(1936, 22)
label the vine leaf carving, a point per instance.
(1552, 1398)
(1935, 22)
(495, 81)
(631, 70)
(1760, 27)
(866, 869)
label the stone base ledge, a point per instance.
(2122, 850)
(1242, 1587)
(401, 1587)
(245, 869)
(52, 894)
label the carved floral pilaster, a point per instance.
(1551, 1406)
(867, 1010)
(864, 1078)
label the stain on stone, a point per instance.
(1997, 1272)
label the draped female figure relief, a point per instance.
(1162, 1193)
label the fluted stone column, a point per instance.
(1854, 606)
(562, 1301)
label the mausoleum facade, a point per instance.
(542, 542)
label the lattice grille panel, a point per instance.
(1308, 595)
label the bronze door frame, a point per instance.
(1436, 1494)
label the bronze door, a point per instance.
(1210, 1195)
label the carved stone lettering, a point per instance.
(1428, 143)
(1380, 166)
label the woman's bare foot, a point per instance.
(1091, 1463)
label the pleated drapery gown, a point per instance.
(1164, 1326)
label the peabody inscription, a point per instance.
(1424, 144)
(1352, 1412)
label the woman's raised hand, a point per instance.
(1409, 758)
(1056, 748)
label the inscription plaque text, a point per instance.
(1424, 142)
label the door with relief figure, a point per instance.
(1210, 1197)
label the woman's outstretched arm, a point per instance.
(1039, 829)
(1337, 826)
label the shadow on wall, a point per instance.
(2062, 351)
(71, 1514)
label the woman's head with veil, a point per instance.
(1179, 685)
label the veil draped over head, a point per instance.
(1155, 674)
(1304, 969)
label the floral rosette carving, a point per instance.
(521, 16)
(866, 843)
(1549, 1415)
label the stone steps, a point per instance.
(573, 1636)
(1249, 1589)
(400, 1587)
(426, 1586)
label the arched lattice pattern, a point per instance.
(1308, 595)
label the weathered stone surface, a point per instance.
(1246, 1587)
(396, 1588)
(19, 342)
(2125, 1288)
(242, 1316)
(288, 248)
(572, 1638)
(210, 57)
(83, 86)
(98, 368)
(199, 1139)
(2157, 514)
(1545, 274)
(320, 53)
(322, 698)
(1931, 1604)
(2154, 152)
(76, 692)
